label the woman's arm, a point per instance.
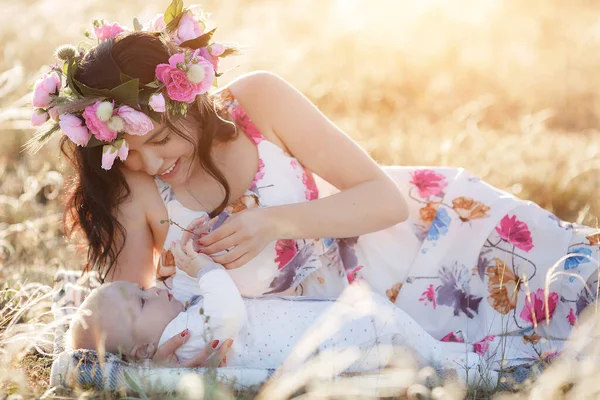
(139, 214)
(369, 200)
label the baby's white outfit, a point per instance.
(268, 331)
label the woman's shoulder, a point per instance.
(145, 203)
(254, 85)
(144, 191)
(257, 93)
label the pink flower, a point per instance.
(247, 126)
(156, 24)
(104, 30)
(109, 154)
(136, 122)
(38, 117)
(123, 149)
(205, 53)
(179, 88)
(453, 337)
(311, 192)
(216, 49)
(482, 346)
(43, 88)
(53, 112)
(286, 249)
(516, 232)
(157, 102)
(189, 28)
(351, 276)
(428, 182)
(571, 317)
(428, 296)
(74, 128)
(98, 128)
(535, 307)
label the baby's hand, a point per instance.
(188, 260)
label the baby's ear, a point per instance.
(143, 351)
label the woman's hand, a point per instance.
(197, 229)
(242, 236)
(209, 356)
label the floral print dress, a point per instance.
(472, 264)
(502, 275)
(284, 267)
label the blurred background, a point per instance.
(508, 89)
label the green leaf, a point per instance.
(75, 104)
(87, 91)
(153, 85)
(200, 41)
(125, 78)
(172, 26)
(173, 11)
(71, 82)
(93, 142)
(134, 385)
(127, 93)
(136, 25)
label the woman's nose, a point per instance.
(151, 162)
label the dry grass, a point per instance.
(504, 88)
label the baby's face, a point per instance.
(146, 312)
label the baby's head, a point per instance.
(122, 318)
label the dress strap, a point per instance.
(225, 100)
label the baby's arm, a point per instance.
(221, 300)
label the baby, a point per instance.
(268, 332)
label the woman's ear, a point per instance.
(143, 351)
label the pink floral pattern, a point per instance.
(352, 275)
(428, 182)
(483, 345)
(515, 232)
(286, 250)
(428, 296)
(311, 192)
(245, 124)
(571, 317)
(534, 310)
(453, 337)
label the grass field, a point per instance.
(508, 89)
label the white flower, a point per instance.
(195, 73)
(116, 124)
(104, 111)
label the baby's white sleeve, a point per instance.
(223, 311)
(222, 302)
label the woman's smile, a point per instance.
(171, 171)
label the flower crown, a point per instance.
(100, 117)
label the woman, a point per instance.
(244, 155)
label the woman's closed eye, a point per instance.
(163, 140)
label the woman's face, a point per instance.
(162, 153)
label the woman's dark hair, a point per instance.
(94, 193)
